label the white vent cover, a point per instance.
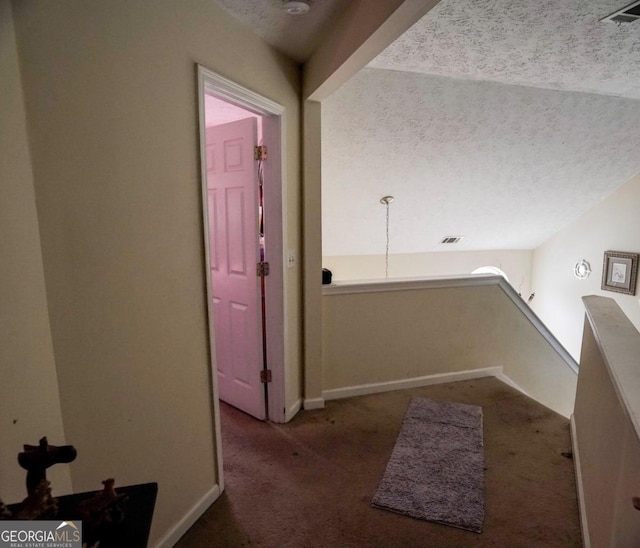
(627, 14)
(451, 239)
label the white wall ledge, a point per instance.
(407, 284)
(619, 344)
(437, 282)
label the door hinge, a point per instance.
(263, 269)
(260, 153)
(265, 375)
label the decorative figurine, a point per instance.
(104, 508)
(4, 511)
(101, 512)
(39, 504)
(37, 458)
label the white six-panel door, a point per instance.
(232, 183)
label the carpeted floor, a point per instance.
(309, 483)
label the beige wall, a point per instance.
(111, 105)
(613, 225)
(312, 251)
(362, 32)
(516, 264)
(393, 335)
(29, 402)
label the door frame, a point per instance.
(211, 83)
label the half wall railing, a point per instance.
(397, 333)
(605, 427)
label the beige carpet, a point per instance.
(309, 483)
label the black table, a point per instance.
(132, 531)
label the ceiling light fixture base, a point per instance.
(296, 7)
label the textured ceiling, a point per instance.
(295, 35)
(498, 120)
(555, 44)
(505, 166)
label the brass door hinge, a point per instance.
(265, 375)
(263, 269)
(260, 153)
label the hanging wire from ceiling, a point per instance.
(386, 200)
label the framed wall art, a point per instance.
(620, 272)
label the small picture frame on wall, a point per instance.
(620, 272)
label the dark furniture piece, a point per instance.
(131, 532)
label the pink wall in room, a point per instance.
(217, 111)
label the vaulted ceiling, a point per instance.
(498, 120)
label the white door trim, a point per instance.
(210, 83)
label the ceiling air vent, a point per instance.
(451, 239)
(627, 14)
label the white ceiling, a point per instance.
(504, 166)
(295, 35)
(553, 44)
(498, 120)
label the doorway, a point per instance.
(229, 104)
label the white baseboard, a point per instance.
(293, 411)
(179, 529)
(313, 403)
(586, 541)
(374, 388)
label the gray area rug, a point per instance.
(436, 469)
